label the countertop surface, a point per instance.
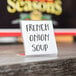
(9, 54)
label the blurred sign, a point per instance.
(38, 37)
(48, 6)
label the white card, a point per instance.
(38, 38)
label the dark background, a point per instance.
(68, 17)
(5, 17)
